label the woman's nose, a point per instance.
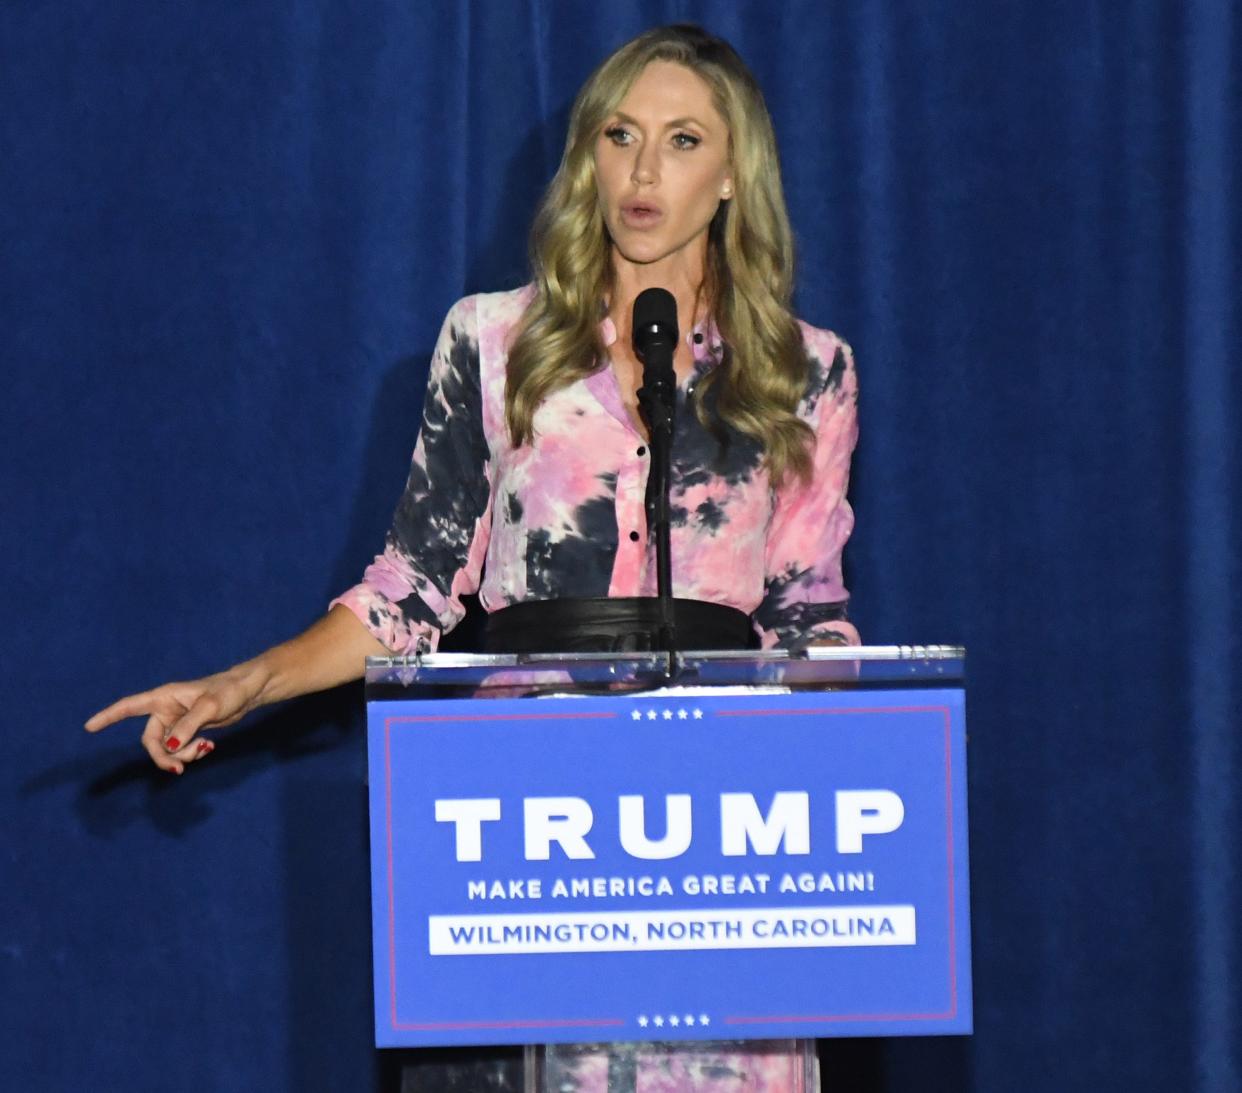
(646, 167)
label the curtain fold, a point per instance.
(1213, 259)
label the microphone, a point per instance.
(655, 335)
(655, 323)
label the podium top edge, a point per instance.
(656, 660)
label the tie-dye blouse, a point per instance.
(564, 515)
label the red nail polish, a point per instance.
(204, 746)
(172, 743)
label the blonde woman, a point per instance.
(527, 481)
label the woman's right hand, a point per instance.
(330, 652)
(176, 712)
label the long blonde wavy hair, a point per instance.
(749, 278)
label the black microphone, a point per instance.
(655, 323)
(655, 342)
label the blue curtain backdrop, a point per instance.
(228, 235)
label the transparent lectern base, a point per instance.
(730, 1066)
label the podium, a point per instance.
(673, 871)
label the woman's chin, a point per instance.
(646, 252)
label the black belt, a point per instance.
(620, 624)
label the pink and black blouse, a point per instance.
(564, 515)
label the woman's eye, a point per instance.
(617, 135)
(685, 140)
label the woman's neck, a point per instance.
(684, 280)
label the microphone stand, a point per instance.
(657, 401)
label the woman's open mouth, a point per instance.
(641, 214)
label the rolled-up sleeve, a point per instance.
(434, 551)
(804, 593)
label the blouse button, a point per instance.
(642, 449)
(633, 537)
(698, 338)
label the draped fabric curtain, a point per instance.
(229, 234)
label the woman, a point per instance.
(528, 477)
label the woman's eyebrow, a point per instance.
(676, 123)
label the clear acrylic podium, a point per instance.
(739, 1066)
(711, 1064)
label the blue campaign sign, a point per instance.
(669, 866)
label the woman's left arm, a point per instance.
(804, 593)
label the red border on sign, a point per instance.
(739, 1019)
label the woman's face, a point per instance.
(662, 168)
